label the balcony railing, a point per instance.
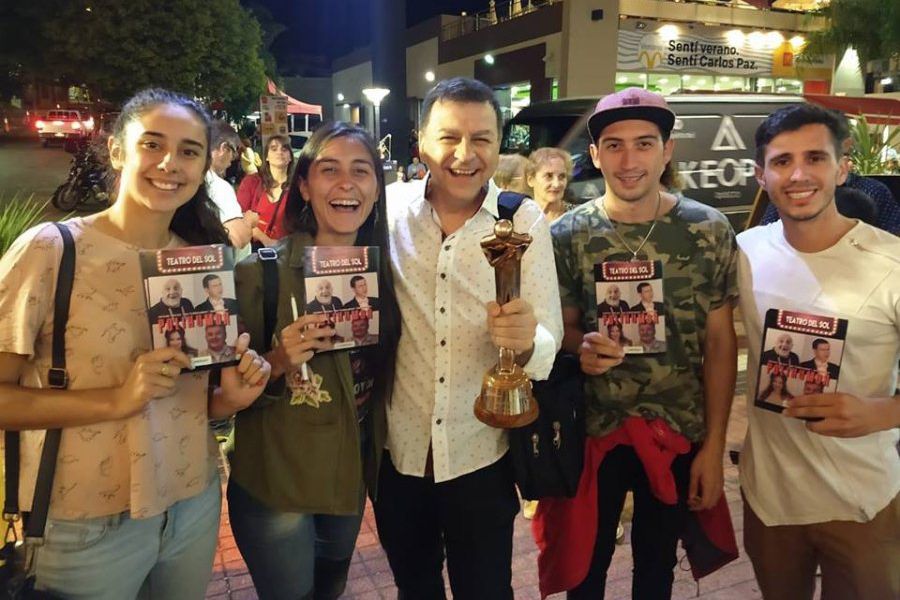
(498, 12)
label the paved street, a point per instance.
(27, 167)
(370, 577)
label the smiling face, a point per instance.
(215, 337)
(359, 328)
(823, 352)
(323, 291)
(174, 339)
(812, 387)
(171, 293)
(614, 332)
(800, 171)
(647, 332)
(778, 383)
(361, 288)
(783, 345)
(342, 189)
(214, 288)
(161, 157)
(647, 293)
(632, 156)
(613, 295)
(461, 146)
(549, 181)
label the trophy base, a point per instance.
(506, 399)
(504, 421)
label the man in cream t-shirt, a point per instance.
(822, 492)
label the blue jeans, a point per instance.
(284, 550)
(168, 556)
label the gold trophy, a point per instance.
(506, 400)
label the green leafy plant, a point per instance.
(17, 214)
(869, 154)
(872, 27)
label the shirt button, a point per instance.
(441, 380)
(443, 310)
(447, 247)
(443, 276)
(439, 421)
(443, 342)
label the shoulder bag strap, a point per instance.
(58, 379)
(268, 259)
(508, 203)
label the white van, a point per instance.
(713, 135)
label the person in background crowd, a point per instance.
(547, 173)
(680, 398)
(262, 196)
(510, 174)
(887, 207)
(446, 484)
(136, 493)
(416, 169)
(225, 144)
(838, 450)
(250, 160)
(305, 456)
(856, 204)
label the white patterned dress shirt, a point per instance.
(443, 286)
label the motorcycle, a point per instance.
(88, 184)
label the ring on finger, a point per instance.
(165, 371)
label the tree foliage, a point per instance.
(206, 48)
(872, 27)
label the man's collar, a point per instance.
(489, 203)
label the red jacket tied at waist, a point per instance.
(565, 529)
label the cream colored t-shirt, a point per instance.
(142, 464)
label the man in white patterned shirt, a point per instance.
(445, 482)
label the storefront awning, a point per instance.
(878, 111)
(294, 106)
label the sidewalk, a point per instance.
(370, 577)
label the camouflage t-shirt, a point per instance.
(698, 252)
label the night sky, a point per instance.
(332, 28)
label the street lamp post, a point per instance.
(375, 95)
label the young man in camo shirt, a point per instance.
(680, 390)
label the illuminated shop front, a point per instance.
(692, 58)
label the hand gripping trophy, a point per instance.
(506, 399)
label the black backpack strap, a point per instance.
(268, 259)
(11, 485)
(57, 378)
(508, 203)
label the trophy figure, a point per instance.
(506, 400)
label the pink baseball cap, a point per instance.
(631, 103)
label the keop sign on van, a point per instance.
(713, 136)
